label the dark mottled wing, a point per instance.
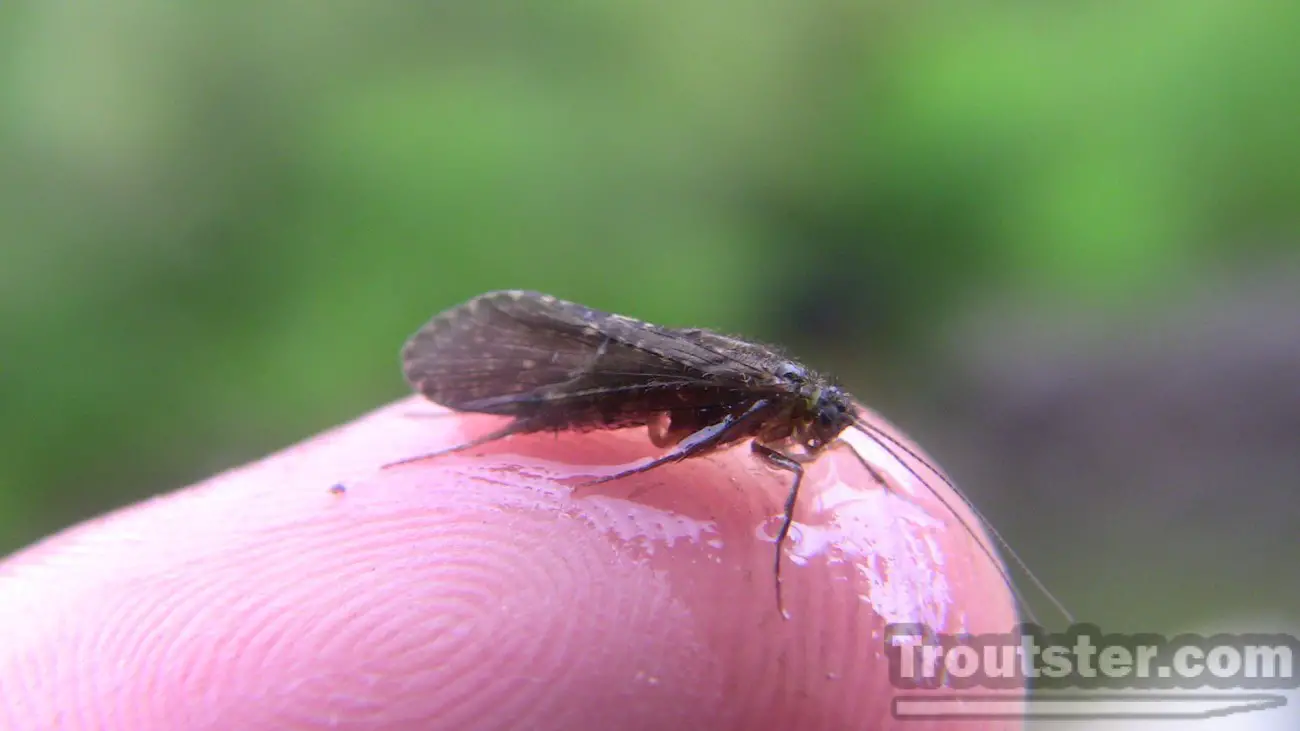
(520, 353)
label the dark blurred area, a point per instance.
(1055, 243)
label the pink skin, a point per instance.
(480, 591)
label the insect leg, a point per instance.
(788, 463)
(871, 469)
(697, 443)
(518, 426)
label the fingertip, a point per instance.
(480, 589)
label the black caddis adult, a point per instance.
(554, 365)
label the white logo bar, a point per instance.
(1181, 706)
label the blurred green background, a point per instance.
(1055, 242)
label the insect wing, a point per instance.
(510, 352)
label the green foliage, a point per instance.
(219, 222)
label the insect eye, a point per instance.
(825, 418)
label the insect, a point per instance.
(554, 365)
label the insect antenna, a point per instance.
(877, 435)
